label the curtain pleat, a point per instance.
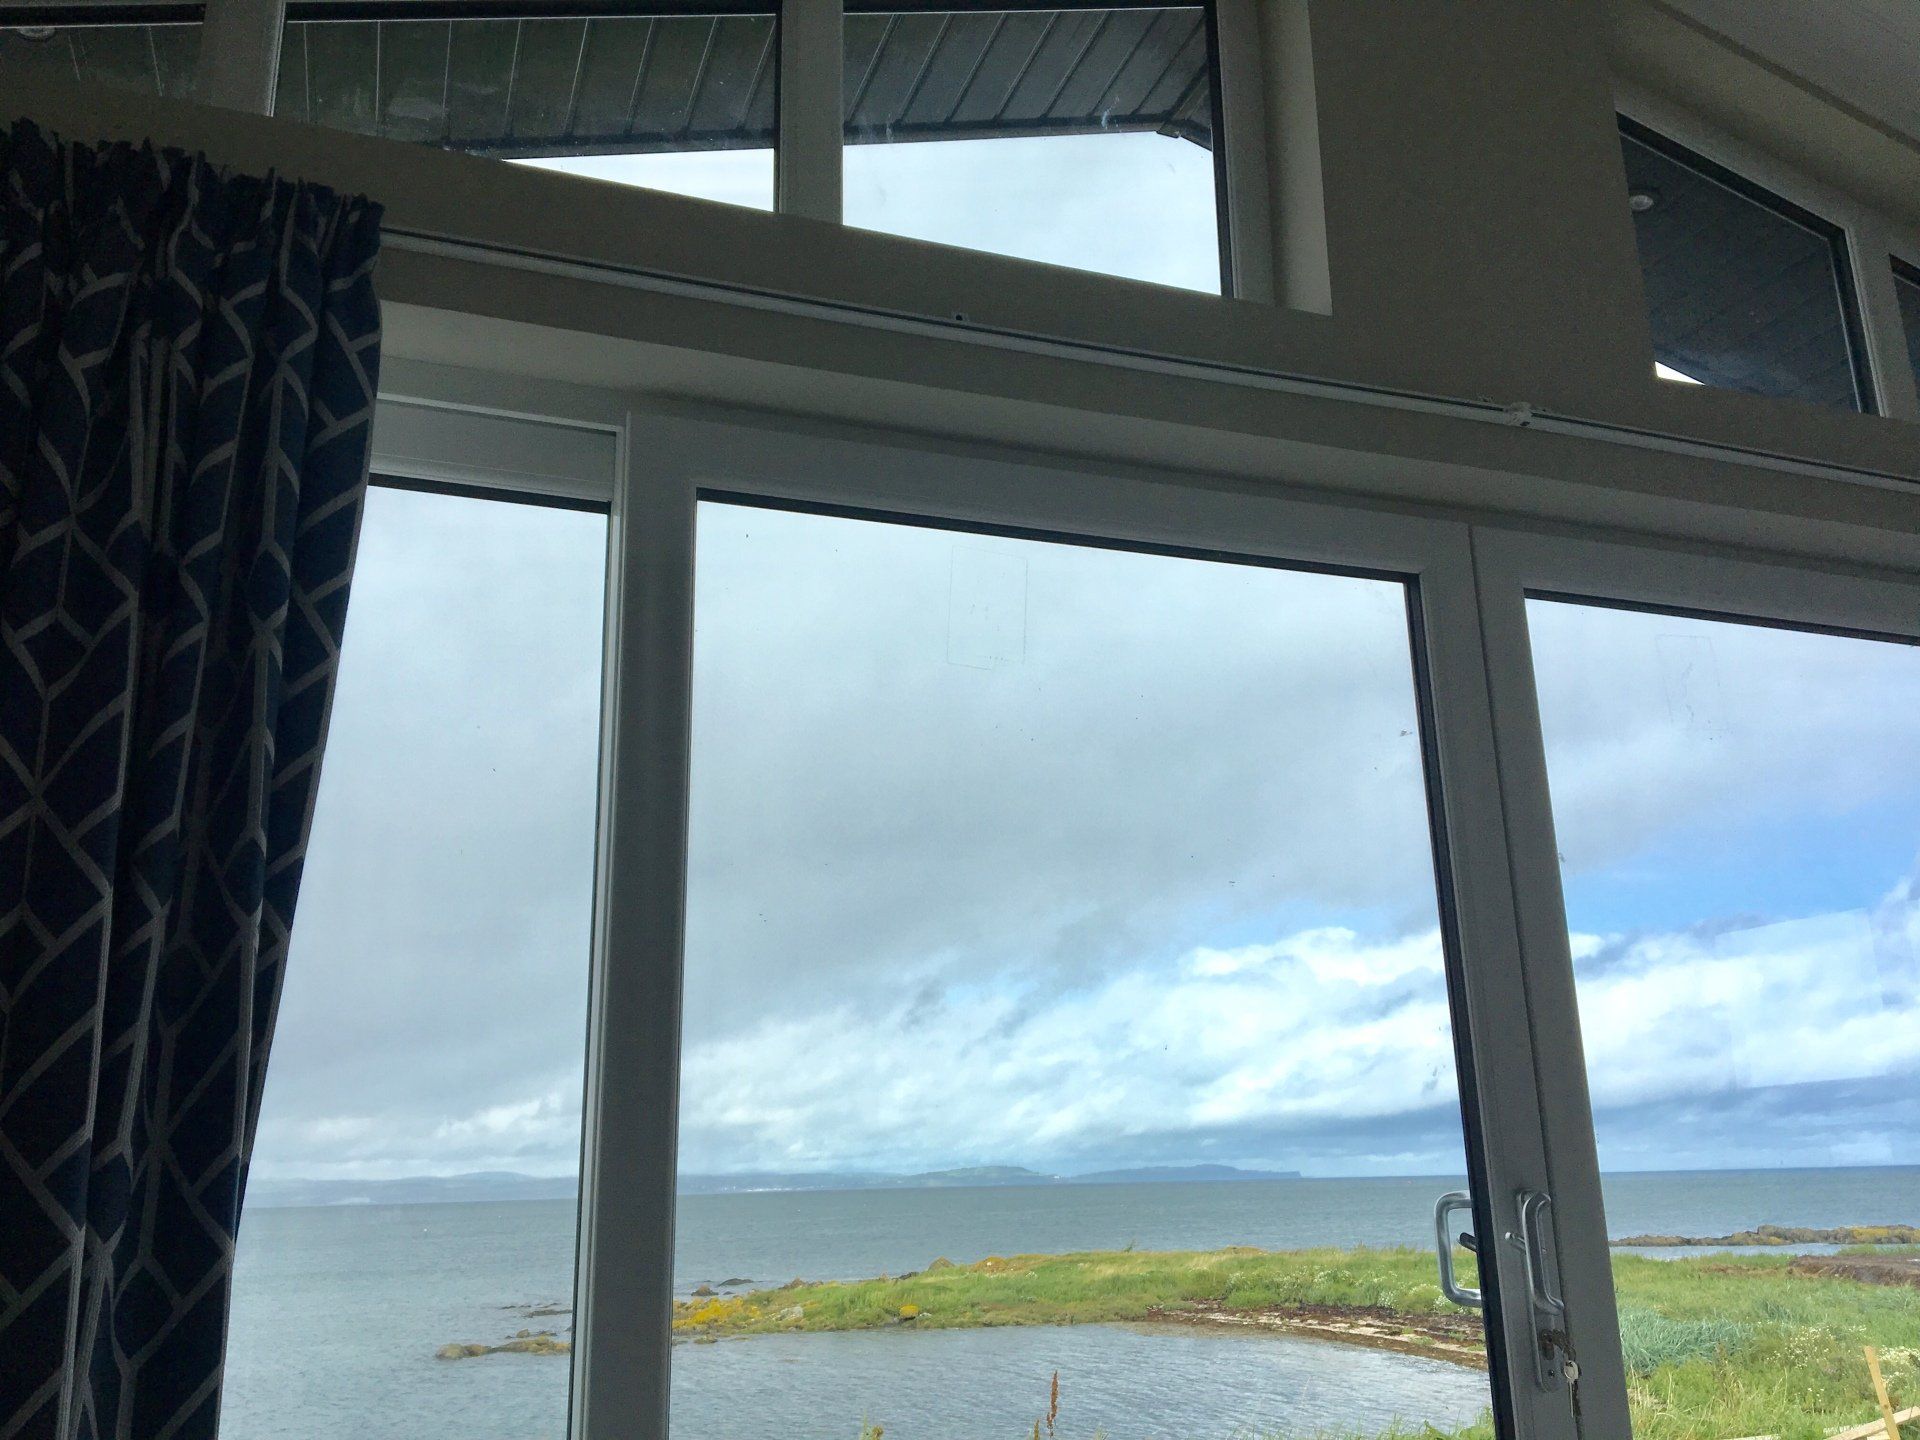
(188, 361)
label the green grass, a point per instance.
(1086, 1288)
(1716, 1346)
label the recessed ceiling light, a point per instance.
(1641, 201)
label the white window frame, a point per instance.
(622, 1363)
(1510, 566)
(1870, 237)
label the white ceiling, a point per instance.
(1865, 53)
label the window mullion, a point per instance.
(1247, 199)
(1881, 321)
(807, 169)
(240, 54)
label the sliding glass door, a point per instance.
(1082, 949)
(1061, 950)
(405, 1267)
(1714, 779)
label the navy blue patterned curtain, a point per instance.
(187, 371)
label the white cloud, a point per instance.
(1153, 886)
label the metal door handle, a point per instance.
(1552, 1361)
(1443, 1207)
(1532, 1207)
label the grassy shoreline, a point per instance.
(1716, 1346)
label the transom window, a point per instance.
(682, 102)
(160, 59)
(1745, 290)
(1081, 137)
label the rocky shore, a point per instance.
(1786, 1235)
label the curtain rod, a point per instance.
(1511, 416)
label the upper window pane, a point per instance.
(1744, 290)
(157, 59)
(1906, 284)
(678, 102)
(1080, 137)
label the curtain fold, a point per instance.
(188, 362)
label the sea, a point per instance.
(338, 1311)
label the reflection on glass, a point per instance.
(678, 102)
(1744, 291)
(1079, 137)
(410, 1202)
(1738, 814)
(153, 59)
(1906, 285)
(1061, 927)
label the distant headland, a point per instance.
(509, 1185)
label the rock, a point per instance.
(734, 1282)
(705, 1340)
(792, 1314)
(793, 1284)
(705, 1292)
(543, 1343)
(941, 1264)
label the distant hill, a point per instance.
(1178, 1174)
(413, 1189)
(507, 1185)
(978, 1175)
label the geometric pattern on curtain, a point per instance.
(188, 362)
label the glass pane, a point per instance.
(154, 59)
(679, 102)
(1065, 998)
(1743, 290)
(1906, 284)
(1078, 137)
(411, 1198)
(1738, 813)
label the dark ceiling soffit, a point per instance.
(311, 11)
(34, 17)
(645, 9)
(733, 140)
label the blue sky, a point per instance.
(1015, 853)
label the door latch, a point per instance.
(1553, 1361)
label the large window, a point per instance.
(673, 102)
(1744, 289)
(1081, 137)
(1067, 1031)
(1737, 810)
(405, 1265)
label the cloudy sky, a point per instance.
(1012, 852)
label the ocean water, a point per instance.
(338, 1311)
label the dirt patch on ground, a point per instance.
(1867, 1269)
(1457, 1338)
